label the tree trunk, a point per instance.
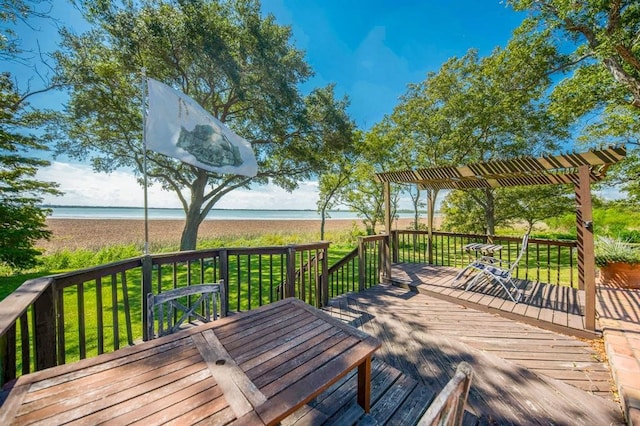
(490, 213)
(190, 231)
(416, 209)
(432, 196)
(322, 221)
(193, 216)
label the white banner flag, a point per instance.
(179, 127)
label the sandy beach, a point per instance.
(92, 234)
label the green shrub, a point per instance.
(610, 250)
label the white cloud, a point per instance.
(83, 187)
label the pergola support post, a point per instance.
(387, 222)
(586, 257)
(431, 194)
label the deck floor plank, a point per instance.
(553, 377)
(555, 307)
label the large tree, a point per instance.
(481, 109)
(599, 46)
(516, 206)
(22, 220)
(336, 169)
(239, 65)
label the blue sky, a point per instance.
(370, 50)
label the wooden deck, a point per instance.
(396, 398)
(556, 308)
(522, 374)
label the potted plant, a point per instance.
(619, 262)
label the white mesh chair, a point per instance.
(172, 308)
(500, 271)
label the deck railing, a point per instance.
(57, 319)
(549, 261)
(362, 268)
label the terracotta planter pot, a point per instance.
(621, 274)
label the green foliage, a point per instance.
(602, 61)
(363, 195)
(612, 219)
(239, 65)
(22, 221)
(462, 213)
(611, 250)
(513, 207)
(80, 259)
(472, 110)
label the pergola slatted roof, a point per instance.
(546, 170)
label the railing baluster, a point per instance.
(261, 302)
(248, 257)
(127, 306)
(549, 264)
(558, 261)
(59, 300)
(238, 283)
(114, 311)
(82, 339)
(24, 345)
(99, 317)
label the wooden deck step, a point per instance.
(413, 328)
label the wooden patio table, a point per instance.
(255, 367)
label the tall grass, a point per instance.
(69, 260)
(613, 220)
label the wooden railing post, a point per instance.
(224, 276)
(324, 277)
(394, 246)
(8, 355)
(290, 285)
(44, 329)
(362, 267)
(386, 259)
(147, 277)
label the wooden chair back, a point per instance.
(447, 409)
(172, 308)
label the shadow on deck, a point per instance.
(522, 374)
(555, 308)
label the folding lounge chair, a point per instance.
(500, 271)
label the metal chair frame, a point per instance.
(500, 271)
(207, 299)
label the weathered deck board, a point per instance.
(556, 308)
(397, 399)
(528, 375)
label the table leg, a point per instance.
(364, 384)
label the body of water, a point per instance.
(63, 212)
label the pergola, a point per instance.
(578, 169)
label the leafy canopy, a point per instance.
(22, 221)
(237, 64)
(598, 50)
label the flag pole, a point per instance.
(144, 160)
